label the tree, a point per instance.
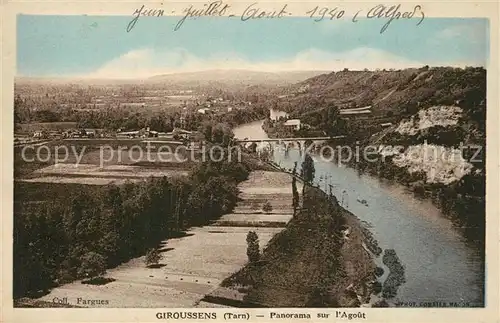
(206, 129)
(330, 118)
(264, 154)
(267, 207)
(253, 250)
(295, 192)
(93, 265)
(152, 257)
(307, 171)
(253, 147)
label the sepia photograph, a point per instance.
(256, 160)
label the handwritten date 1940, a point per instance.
(319, 14)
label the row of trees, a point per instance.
(61, 240)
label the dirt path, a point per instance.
(194, 265)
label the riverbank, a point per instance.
(452, 187)
(462, 199)
(439, 262)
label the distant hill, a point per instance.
(237, 76)
(201, 78)
(395, 91)
(72, 80)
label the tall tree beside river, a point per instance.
(295, 192)
(307, 171)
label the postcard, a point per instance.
(258, 161)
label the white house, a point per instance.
(293, 123)
(39, 134)
(362, 110)
(90, 132)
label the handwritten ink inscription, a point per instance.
(255, 11)
(393, 13)
(216, 8)
(318, 14)
(143, 11)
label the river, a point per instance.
(440, 264)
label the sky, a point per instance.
(100, 46)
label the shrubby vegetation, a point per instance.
(396, 275)
(152, 257)
(267, 207)
(253, 250)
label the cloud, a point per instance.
(472, 32)
(143, 63)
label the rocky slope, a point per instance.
(439, 153)
(436, 139)
(398, 91)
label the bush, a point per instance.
(253, 251)
(377, 287)
(93, 265)
(152, 257)
(379, 271)
(267, 207)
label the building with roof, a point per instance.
(292, 123)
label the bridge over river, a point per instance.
(296, 139)
(297, 142)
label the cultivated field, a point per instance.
(75, 180)
(96, 175)
(99, 162)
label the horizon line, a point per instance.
(277, 72)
